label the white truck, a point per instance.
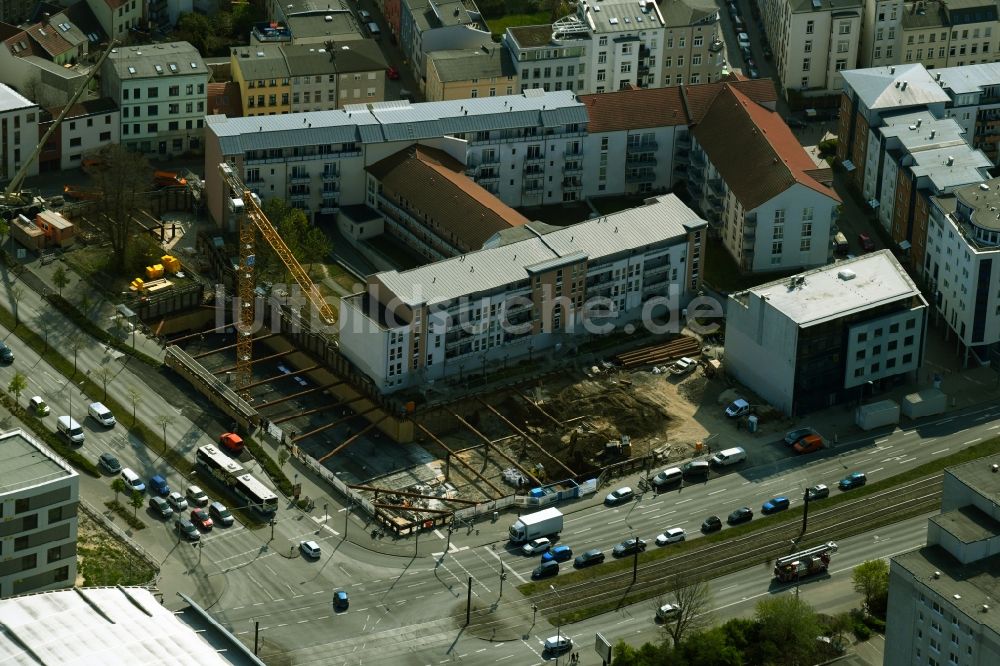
(877, 414)
(924, 403)
(546, 522)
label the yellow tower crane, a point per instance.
(246, 205)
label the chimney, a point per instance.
(919, 121)
(904, 85)
(933, 132)
(951, 160)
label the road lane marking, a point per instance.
(934, 453)
(690, 499)
(582, 529)
(876, 470)
(908, 460)
(507, 567)
(881, 441)
(994, 427)
(972, 441)
(716, 492)
(909, 432)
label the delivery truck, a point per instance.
(877, 414)
(547, 522)
(924, 403)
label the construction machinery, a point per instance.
(245, 204)
(12, 196)
(805, 563)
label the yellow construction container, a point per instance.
(155, 271)
(170, 263)
(138, 284)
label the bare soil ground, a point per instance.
(102, 558)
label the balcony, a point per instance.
(641, 177)
(488, 176)
(572, 167)
(698, 159)
(640, 160)
(570, 184)
(329, 207)
(534, 158)
(299, 178)
(330, 175)
(717, 186)
(684, 141)
(696, 176)
(642, 147)
(534, 187)
(573, 153)
(644, 51)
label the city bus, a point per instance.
(223, 469)
(255, 495)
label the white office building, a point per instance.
(942, 597)
(531, 290)
(830, 335)
(18, 132)
(39, 494)
(161, 91)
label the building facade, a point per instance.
(438, 25)
(510, 301)
(941, 606)
(18, 132)
(262, 75)
(463, 74)
(118, 17)
(161, 91)
(88, 127)
(39, 494)
(823, 337)
(881, 33)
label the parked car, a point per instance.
(793, 436)
(668, 611)
(201, 519)
(742, 515)
(854, 480)
(557, 644)
(750, 62)
(768, 53)
(753, 73)
(743, 39)
(798, 123)
(110, 463)
(158, 486)
(365, 16)
(196, 496)
(310, 549)
(177, 501)
(867, 245)
(683, 366)
(220, 514)
(819, 491)
(629, 546)
(37, 406)
(6, 353)
(774, 505)
(557, 554)
(668, 477)
(159, 506)
(340, 600)
(673, 535)
(746, 52)
(186, 530)
(133, 481)
(590, 557)
(536, 546)
(711, 524)
(733, 11)
(619, 496)
(809, 444)
(545, 569)
(695, 469)
(737, 408)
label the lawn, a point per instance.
(498, 26)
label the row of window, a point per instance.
(153, 128)
(153, 92)
(987, 32)
(952, 51)
(154, 109)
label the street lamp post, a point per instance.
(558, 622)
(503, 577)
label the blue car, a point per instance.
(855, 480)
(340, 600)
(558, 554)
(774, 505)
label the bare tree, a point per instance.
(135, 397)
(60, 279)
(694, 600)
(15, 297)
(124, 180)
(163, 420)
(105, 374)
(75, 344)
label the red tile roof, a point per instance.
(48, 37)
(698, 98)
(634, 108)
(753, 150)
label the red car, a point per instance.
(866, 242)
(392, 73)
(201, 519)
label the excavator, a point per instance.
(13, 198)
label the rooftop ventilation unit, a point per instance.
(846, 274)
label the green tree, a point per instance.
(707, 648)
(647, 654)
(283, 455)
(17, 384)
(118, 485)
(136, 501)
(871, 581)
(60, 279)
(788, 628)
(197, 29)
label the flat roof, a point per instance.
(965, 586)
(109, 625)
(11, 100)
(658, 219)
(483, 63)
(627, 16)
(968, 524)
(979, 476)
(823, 295)
(157, 61)
(882, 87)
(968, 78)
(25, 462)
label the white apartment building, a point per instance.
(819, 338)
(507, 302)
(39, 494)
(18, 132)
(161, 91)
(117, 17)
(772, 205)
(88, 127)
(881, 33)
(813, 41)
(941, 597)
(962, 266)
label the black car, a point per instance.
(768, 53)
(6, 355)
(545, 569)
(629, 547)
(340, 600)
(695, 469)
(741, 515)
(186, 529)
(592, 556)
(711, 524)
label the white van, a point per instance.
(101, 414)
(70, 429)
(133, 480)
(729, 457)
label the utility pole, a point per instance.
(635, 560)
(468, 604)
(273, 521)
(805, 510)
(503, 577)
(256, 636)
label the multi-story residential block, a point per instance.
(262, 75)
(88, 127)
(822, 337)
(438, 25)
(974, 103)
(15, 12)
(941, 606)
(962, 266)
(813, 41)
(510, 301)
(553, 57)
(694, 51)
(39, 495)
(331, 76)
(881, 33)
(160, 89)
(18, 132)
(117, 17)
(427, 202)
(463, 74)
(748, 174)
(309, 22)
(949, 34)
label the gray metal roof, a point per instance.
(624, 16)
(883, 87)
(660, 219)
(967, 165)
(808, 6)
(172, 59)
(10, 99)
(968, 78)
(915, 130)
(466, 64)
(678, 13)
(395, 121)
(259, 62)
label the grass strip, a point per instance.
(127, 515)
(84, 322)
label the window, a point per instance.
(805, 244)
(602, 57)
(776, 247)
(805, 64)
(810, 25)
(626, 67)
(698, 41)
(105, 136)
(152, 92)
(152, 128)
(603, 41)
(808, 48)
(152, 109)
(841, 65)
(21, 505)
(845, 28)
